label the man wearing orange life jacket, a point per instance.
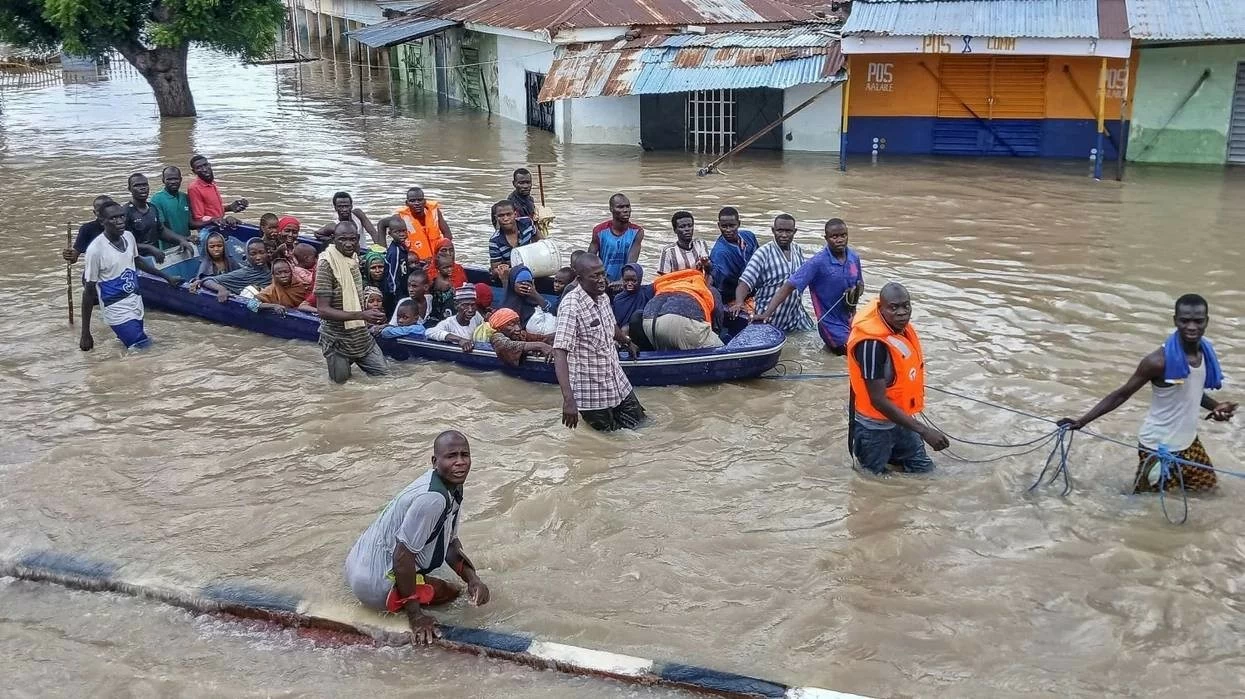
(425, 225)
(683, 312)
(886, 367)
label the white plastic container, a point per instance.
(542, 257)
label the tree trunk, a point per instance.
(165, 70)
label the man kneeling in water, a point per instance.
(415, 533)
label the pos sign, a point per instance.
(880, 77)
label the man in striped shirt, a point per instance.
(686, 252)
(770, 268)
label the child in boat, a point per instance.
(373, 300)
(417, 289)
(561, 280)
(442, 256)
(405, 321)
(270, 233)
(284, 293)
(484, 300)
(305, 258)
(443, 305)
(398, 260)
(215, 259)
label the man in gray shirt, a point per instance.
(414, 535)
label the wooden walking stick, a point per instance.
(69, 271)
(540, 179)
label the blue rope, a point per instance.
(1063, 445)
(1166, 462)
(1039, 442)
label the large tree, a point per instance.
(153, 35)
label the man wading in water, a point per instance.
(415, 533)
(344, 338)
(1179, 373)
(585, 355)
(886, 368)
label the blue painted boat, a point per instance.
(754, 350)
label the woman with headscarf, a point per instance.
(521, 295)
(511, 343)
(287, 232)
(373, 269)
(634, 296)
(443, 256)
(283, 293)
(215, 257)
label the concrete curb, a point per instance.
(81, 573)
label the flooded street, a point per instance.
(731, 533)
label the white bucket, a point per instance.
(542, 257)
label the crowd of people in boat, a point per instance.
(398, 276)
(412, 283)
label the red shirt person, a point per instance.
(206, 204)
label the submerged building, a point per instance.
(1190, 95)
(701, 75)
(987, 77)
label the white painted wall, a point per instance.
(515, 57)
(817, 127)
(599, 120)
(604, 120)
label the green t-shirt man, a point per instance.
(174, 211)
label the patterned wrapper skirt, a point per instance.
(1194, 478)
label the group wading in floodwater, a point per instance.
(399, 277)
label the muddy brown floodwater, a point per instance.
(731, 533)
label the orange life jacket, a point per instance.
(908, 389)
(688, 281)
(420, 238)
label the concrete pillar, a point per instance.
(350, 44)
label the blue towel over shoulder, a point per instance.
(1176, 365)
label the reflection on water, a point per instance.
(732, 533)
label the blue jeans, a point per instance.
(874, 449)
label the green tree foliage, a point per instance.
(153, 35)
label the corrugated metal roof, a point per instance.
(400, 30)
(1186, 20)
(622, 68)
(1048, 19)
(537, 15)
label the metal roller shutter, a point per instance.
(1236, 128)
(1007, 95)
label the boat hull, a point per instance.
(754, 350)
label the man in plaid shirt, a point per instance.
(585, 355)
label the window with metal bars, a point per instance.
(710, 121)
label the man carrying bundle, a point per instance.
(1179, 373)
(886, 367)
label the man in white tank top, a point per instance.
(1179, 373)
